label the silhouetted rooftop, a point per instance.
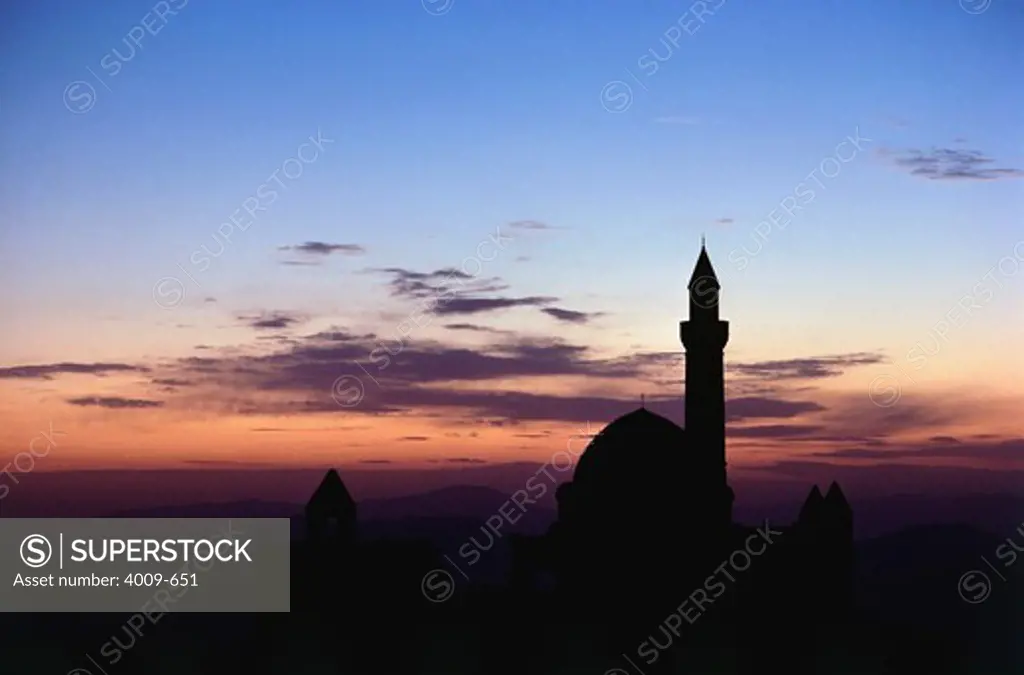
(631, 440)
(835, 500)
(703, 269)
(812, 504)
(331, 495)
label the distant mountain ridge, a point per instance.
(464, 501)
(872, 518)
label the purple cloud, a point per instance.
(115, 402)
(49, 371)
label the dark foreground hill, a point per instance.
(911, 616)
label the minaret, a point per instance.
(704, 337)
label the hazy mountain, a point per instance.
(997, 513)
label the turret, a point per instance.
(837, 545)
(810, 512)
(837, 510)
(331, 504)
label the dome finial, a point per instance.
(643, 401)
(702, 240)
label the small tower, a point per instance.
(331, 504)
(836, 540)
(838, 509)
(704, 337)
(810, 512)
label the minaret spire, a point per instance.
(704, 337)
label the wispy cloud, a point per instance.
(477, 305)
(472, 327)
(1010, 449)
(115, 402)
(172, 382)
(775, 431)
(315, 252)
(406, 283)
(809, 368)
(323, 248)
(272, 320)
(531, 225)
(571, 315)
(949, 164)
(678, 119)
(455, 291)
(51, 370)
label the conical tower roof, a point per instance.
(331, 495)
(703, 269)
(812, 505)
(835, 500)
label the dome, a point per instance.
(639, 442)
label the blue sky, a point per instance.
(445, 127)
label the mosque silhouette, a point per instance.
(644, 549)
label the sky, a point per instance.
(225, 229)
